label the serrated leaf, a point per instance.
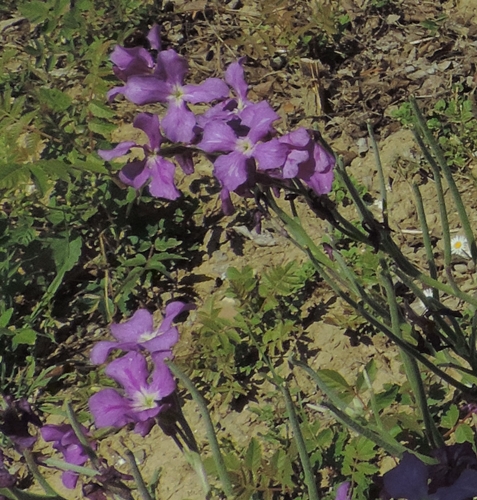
(138, 260)
(101, 127)
(55, 99)
(13, 175)
(100, 110)
(66, 253)
(450, 418)
(36, 11)
(253, 456)
(386, 398)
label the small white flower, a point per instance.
(460, 247)
(420, 307)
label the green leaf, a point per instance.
(36, 12)
(24, 336)
(387, 397)
(66, 253)
(55, 99)
(334, 380)
(464, 433)
(101, 127)
(100, 110)
(12, 175)
(5, 317)
(449, 420)
(138, 260)
(253, 455)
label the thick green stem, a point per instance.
(410, 365)
(38, 476)
(141, 485)
(310, 480)
(431, 263)
(209, 428)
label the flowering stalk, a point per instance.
(209, 428)
(310, 480)
(411, 366)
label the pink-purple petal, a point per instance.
(140, 322)
(171, 67)
(120, 150)
(294, 158)
(154, 37)
(144, 428)
(162, 178)
(231, 170)
(69, 479)
(234, 76)
(173, 309)
(186, 162)
(407, 480)
(259, 117)
(179, 123)
(130, 371)
(109, 409)
(134, 174)
(149, 124)
(218, 136)
(131, 61)
(163, 381)
(146, 89)
(209, 90)
(270, 154)
(342, 493)
(101, 350)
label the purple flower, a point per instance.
(226, 110)
(308, 160)
(135, 60)
(167, 85)
(15, 419)
(410, 479)
(67, 443)
(153, 167)
(240, 140)
(342, 493)
(139, 333)
(142, 398)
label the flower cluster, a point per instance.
(237, 135)
(144, 389)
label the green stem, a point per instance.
(383, 328)
(410, 364)
(431, 263)
(382, 182)
(141, 485)
(300, 442)
(449, 178)
(38, 476)
(393, 449)
(81, 437)
(209, 428)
